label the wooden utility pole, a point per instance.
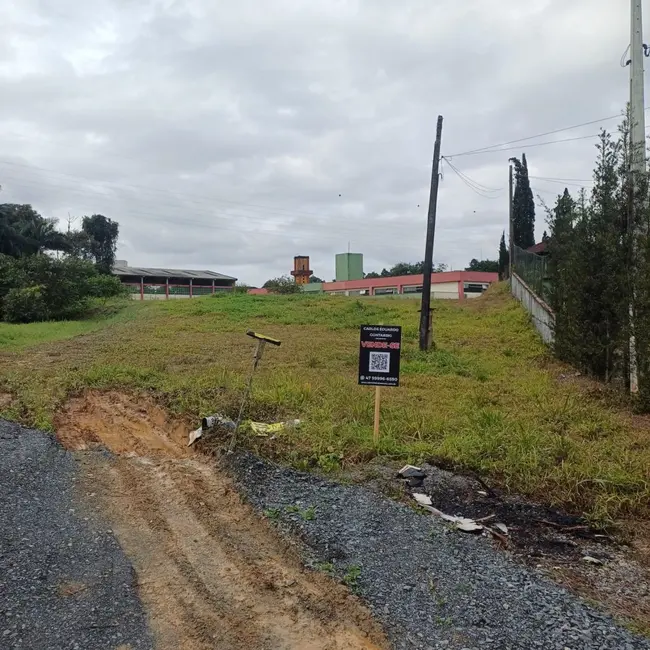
(510, 215)
(637, 163)
(426, 333)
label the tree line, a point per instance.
(598, 266)
(46, 274)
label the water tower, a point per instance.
(301, 271)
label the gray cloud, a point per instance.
(233, 136)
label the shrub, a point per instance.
(25, 305)
(283, 284)
(106, 286)
(39, 287)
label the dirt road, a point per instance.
(210, 572)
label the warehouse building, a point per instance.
(163, 284)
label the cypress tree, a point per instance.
(523, 209)
(504, 257)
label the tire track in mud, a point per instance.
(211, 573)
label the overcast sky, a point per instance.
(234, 134)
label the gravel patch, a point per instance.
(64, 580)
(432, 587)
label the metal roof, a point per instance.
(170, 273)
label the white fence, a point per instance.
(540, 313)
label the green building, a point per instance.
(349, 266)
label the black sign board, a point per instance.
(379, 352)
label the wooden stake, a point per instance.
(377, 401)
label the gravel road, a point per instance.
(64, 581)
(430, 586)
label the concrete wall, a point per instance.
(445, 291)
(540, 313)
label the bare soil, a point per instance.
(6, 400)
(210, 572)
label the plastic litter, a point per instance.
(261, 429)
(461, 523)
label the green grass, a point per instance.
(488, 398)
(16, 337)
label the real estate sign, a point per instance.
(379, 355)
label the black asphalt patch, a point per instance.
(64, 581)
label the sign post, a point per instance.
(379, 356)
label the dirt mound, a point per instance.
(210, 572)
(121, 423)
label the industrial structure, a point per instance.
(163, 284)
(349, 266)
(350, 281)
(301, 271)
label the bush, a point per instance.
(39, 287)
(284, 284)
(106, 286)
(25, 305)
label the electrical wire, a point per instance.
(566, 183)
(527, 146)
(539, 135)
(624, 62)
(484, 188)
(477, 188)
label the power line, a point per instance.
(563, 180)
(477, 188)
(558, 181)
(539, 135)
(523, 146)
(471, 180)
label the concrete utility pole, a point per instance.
(510, 214)
(637, 156)
(426, 333)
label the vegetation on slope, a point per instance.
(489, 398)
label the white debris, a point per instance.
(591, 560)
(195, 435)
(461, 523)
(422, 499)
(502, 527)
(467, 525)
(483, 493)
(407, 467)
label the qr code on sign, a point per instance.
(379, 361)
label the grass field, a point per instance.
(489, 398)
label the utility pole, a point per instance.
(426, 333)
(510, 215)
(637, 162)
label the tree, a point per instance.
(284, 284)
(523, 206)
(405, 268)
(102, 233)
(314, 279)
(40, 287)
(23, 231)
(504, 257)
(488, 266)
